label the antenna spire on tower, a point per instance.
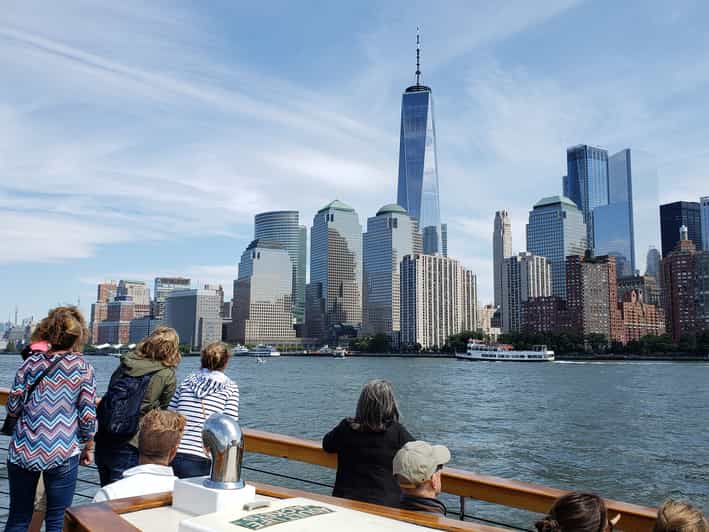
(418, 55)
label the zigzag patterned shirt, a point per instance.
(58, 416)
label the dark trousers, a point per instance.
(113, 460)
(59, 485)
(189, 465)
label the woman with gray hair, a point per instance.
(366, 445)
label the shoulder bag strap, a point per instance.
(41, 377)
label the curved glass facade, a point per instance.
(417, 189)
(284, 228)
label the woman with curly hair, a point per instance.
(150, 370)
(53, 399)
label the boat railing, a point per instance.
(462, 484)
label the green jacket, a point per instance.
(160, 388)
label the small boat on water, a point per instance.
(263, 350)
(340, 352)
(505, 353)
(240, 350)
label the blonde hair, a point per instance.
(160, 433)
(163, 345)
(676, 516)
(64, 328)
(215, 356)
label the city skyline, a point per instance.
(130, 164)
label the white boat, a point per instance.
(326, 350)
(340, 352)
(505, 353)
(240, 350)
(263, 350)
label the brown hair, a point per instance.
(215, 356)
(575, 512)
(64, 329)
(163, 345)
(160, 434)
(676, 516)
(376, 407)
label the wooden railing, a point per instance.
(511, 493)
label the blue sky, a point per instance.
(139, 138)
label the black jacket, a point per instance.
(422, 504)
(364, 462)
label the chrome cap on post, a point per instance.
(223, 438)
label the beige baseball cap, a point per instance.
(417, 461)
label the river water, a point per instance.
(633, 431)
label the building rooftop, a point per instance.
(392, 208)
(553, 200)
(338, 206)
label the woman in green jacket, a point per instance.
(155, 358)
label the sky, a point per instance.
(138, 139)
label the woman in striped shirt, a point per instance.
(199, 396)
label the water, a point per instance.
(632, 431)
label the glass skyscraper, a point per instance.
(675, 215)
(417, 190)
(334, 295)
(613, 224)
(556, 230)
(586, 181)
(391, 235)
(284, 228)
(704, 211)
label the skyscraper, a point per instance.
(391, 235)
(501, 249)
(418, 163)
(436, 300)
(675, 215)
(163, 286)
(704, 217)
(525, 276)
(334, 295)
(653, 264)
(679, 286)
(284, 228)
(139, 293)
(586, 181)
(613, 224)
(556, 230)
(264, 290)
(194, 314)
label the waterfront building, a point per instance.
(501, 249)
(613, 226)
(162, 287)
(545, 314)
(283, 227)
(433, 294)
(417, 189)
(645, 286)
(701, 268)
(485, 315)
(679, 287)
(335, 271)
(592, 296)
(586, 182)
(99, 311)
(139, 293)
(675, 215)
(470, 301)
(140, 328)
(640, 318)
(556, 230)
(653, 265)
(194, 314)
(115, 329)
(391, 235)
(264, 290)
(106, 292)
(525, 276)
(704, 221)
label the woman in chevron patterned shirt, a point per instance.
(56, 423)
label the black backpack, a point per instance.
(118, 413)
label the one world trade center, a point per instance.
(418, 167)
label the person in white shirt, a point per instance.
(160, 435)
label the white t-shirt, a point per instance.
(140, 480)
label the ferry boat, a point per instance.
(157, 512)
(263, 350)
(240, 350)
(505, 353)
(325, 350)
(340, 352)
